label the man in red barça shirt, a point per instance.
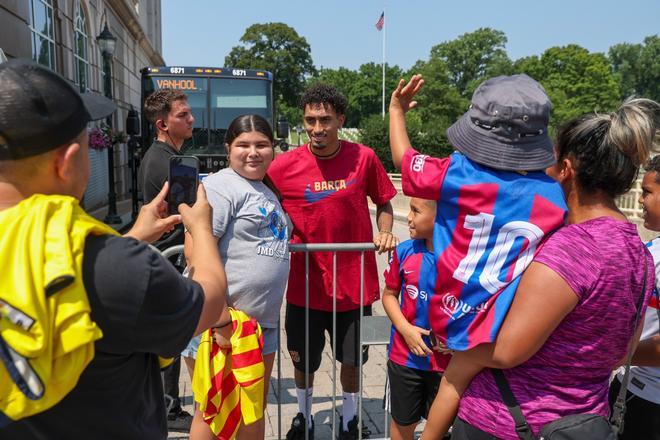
(324, 186)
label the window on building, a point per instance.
(43, 32)
(81, 53)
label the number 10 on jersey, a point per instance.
(491, 275)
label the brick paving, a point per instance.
(374, 373)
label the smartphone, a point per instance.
(183, 179)
(433, 340)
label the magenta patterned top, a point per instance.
(603, 262)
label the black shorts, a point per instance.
(411, 393)
(348, 333)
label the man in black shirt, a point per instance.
(170, 114)
(142, 306)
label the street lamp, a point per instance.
(107, 43)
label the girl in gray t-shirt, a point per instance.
(252, 231)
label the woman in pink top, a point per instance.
(572, 318)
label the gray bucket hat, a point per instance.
(506, 126)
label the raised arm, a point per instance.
(401, 102)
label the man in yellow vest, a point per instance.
(84, 313)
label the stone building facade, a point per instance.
(61, 34)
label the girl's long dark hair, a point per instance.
(248, 124)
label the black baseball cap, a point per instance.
(40, 110)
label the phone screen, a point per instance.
(184, 175)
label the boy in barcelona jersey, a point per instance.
(413, 368)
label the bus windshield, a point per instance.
(215, 102)
(231, 98)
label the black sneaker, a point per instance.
(179, 421)
(352, 433)
(297, 431)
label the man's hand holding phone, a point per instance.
(153, 220)
(197, 218)
(183, 180)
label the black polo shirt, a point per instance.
(154, 169)
(153, 173)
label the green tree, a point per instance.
(576, 81)
(637, 67)
(624, 58)
(362, 88)
(278, 48)
(367, 92)
(374, 132)
(452, 72)
(473, 57)
(343, 79)
(439, 102)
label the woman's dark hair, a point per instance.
(654, 166)
(323, 94)
(248, 124)
(608, 149)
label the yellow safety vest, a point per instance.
(46, 333)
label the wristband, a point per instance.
(223, 325)
(385, 232)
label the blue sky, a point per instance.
(342, 32)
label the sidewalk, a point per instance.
(374, 374)
(123, 210)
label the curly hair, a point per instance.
(159, 103)
(324, 94)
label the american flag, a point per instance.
(381, 21)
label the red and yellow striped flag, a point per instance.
(228, 384)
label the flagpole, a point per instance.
(384, 31)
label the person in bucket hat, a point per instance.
(495, 204)
(85, 313)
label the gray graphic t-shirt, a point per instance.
(253, 232)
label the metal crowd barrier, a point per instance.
(374, 330)
(375, 337)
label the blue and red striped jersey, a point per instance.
(411, 272)
(488, 226)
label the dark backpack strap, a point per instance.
(522, 427)
(619, 409)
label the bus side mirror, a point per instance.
(132, 123)
(282, 128)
